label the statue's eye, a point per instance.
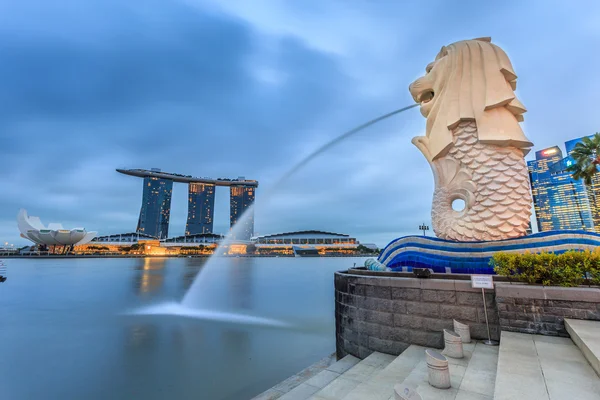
(429, 67)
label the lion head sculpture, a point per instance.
(469, 80)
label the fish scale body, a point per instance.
(495, 182)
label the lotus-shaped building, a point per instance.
(54, 234)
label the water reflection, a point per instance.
(192, 267)
(240, 283)
(151, 276)
(237, 342)
(141, 336)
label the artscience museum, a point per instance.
(53, 235)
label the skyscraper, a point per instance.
(242, 198)
(201, 208)
(156, 206)
(156, 202)
(561, 202)
(593, 190)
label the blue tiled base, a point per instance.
(440, 255)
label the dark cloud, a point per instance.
(228, 88)
(190, 91)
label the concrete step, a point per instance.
(471, 377)
(327, 367)
(544, 368)
(381, 385)
(586, 336)
(519, 373)
(343, 384)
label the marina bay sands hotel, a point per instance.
(156, 202)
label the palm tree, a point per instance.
(586, 155)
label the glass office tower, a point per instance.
(561, 202)
(241, 198)
(593, 190)
(156, 207)
(201, 208)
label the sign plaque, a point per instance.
(482, 281)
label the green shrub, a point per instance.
(571, 268)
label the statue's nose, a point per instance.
(414, 88)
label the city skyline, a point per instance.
(229, 89)
(562, 202)
(156, 202)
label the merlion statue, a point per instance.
(474, 143)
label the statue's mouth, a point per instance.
(426, 96)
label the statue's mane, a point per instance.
(479, 85)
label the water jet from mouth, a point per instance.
(197, 296)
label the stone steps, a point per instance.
(472, 377)
(524, 366)
(381, 385)
(327, 367)
(519, 372)
(339, 387)
(544, 368)
(586, 336)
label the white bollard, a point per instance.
(463, 330)
(404, 392)
(453, 344)
(437, 366)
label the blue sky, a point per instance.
(248, 88)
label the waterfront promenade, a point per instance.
(522, 367)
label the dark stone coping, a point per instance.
(524, 291)
(434, 275)
(462, 282)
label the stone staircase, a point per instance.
(524, 366)
(547, 367)
(586, 336)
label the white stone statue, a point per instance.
(474, 143)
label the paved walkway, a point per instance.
(543, 368)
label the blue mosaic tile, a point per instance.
(470, 257)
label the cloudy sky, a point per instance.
(228, 88)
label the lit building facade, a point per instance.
(156, 207)
(201, 208)
(156, 202)
(193, 240)
(320, 238)
(242, 199)
(317, 242)
(593, 190)
(125, 238)
(561, 202)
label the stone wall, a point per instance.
(387, 314)
(542, 310)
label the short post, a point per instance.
(484, 282)
(423, 228)
(453, 346)
(437, 367)
(404, 392)
(463, 330)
